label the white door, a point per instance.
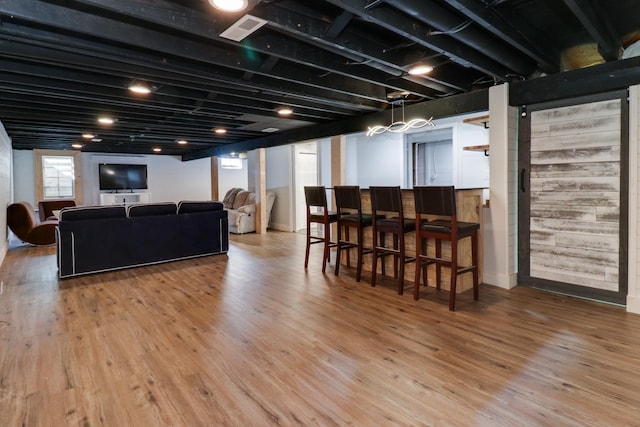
(305, 173)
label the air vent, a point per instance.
(242, 28)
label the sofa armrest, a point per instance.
(247, 209)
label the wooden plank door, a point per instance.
(573, 203)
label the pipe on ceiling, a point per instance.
(432, 14)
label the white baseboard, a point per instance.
(279, 227)
(505, 281)
(3, 251)
(633, 304)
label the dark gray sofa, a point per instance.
(92, 239)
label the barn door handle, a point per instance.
(522, 180)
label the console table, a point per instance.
(124, 198)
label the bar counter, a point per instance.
(469, 209)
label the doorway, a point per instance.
(305, 173)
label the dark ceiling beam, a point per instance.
(607, 77)
(420, 34)
(163, 13)
(77, 22)
(90, 56)
(484, 17)
(439, 108)
(358, 48)
(592, 19)
(338, 25)
(445, 21)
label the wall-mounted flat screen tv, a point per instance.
(122, 177)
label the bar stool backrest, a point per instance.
(315, 196)
(347, 197)
(387, 199)
(435, 200)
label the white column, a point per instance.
(633, 293)
(500, 219)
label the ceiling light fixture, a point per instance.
(77, 145)
(285, 111)
(106, 120)
(420, 69)
(220, 131)
(157, 149)
(182, 141)
(400, 125)
(88, 135)
(141, 88)
(230, 5)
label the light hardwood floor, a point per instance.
(251, 339)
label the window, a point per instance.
(57, 176)
(231, 163)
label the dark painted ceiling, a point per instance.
(63, 63)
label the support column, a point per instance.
(260, 188)
(215, 195)
(633, 291)
(500, 219)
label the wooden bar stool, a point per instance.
(349, 208)
(441, 202)
(388, 200)
(317, 212)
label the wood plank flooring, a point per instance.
(252, 339)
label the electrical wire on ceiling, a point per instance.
(454, 30)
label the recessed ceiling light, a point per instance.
(88, 135)
(182, 141)
(420, 69)
(77, 145)
(285, 111)
(105, 120)
(96, 140)
(220, 131)
(141, 88)
(157, 149)
(230, 5)
(270, 130)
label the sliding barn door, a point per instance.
(572, 204)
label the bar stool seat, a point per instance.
(316, 197)
(388, 201)
(440, 201)
(349, 208)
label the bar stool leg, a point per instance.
(326, 257)
(360, 253)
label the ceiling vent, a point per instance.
(242, 28)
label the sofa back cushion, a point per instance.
(230, 197)
(82, 213)
(185, 207)
(244, 198)
(151, 209)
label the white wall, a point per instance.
(24, 187)
(279, 164)
(170, 179)
(379, 159)
(382, 159)
(230, 178)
